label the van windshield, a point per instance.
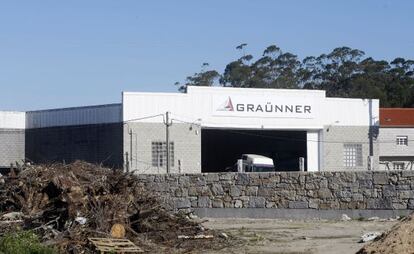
(263, 168)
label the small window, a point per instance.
(159, 154)
(402, 140)
(398, 165)
(352, 155)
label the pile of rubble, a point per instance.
(399, 239)
(68, 204)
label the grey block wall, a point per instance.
(391, 153)
(333, 140)
(12, 143)
(110, 143)
(97, 143)
(389, 147)
(187, 147)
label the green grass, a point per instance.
(23, 242)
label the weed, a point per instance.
(23, 242)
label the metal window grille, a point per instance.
(159, 154)
(402, 140)
(352, 155)
(398, 165)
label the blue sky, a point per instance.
(69, 53)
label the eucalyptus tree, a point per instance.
(343, 72)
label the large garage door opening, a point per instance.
(221, 148)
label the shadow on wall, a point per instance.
(98, 143)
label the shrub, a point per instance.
(23, 242)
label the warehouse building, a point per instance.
(208, 128)
(92, 133)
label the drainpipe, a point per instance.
(371, 138)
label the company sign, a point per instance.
(289, 107)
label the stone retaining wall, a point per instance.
(390, 190)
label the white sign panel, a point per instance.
(250, 106)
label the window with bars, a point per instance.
(352, 155)
(402, 140)
(398, 166)
(159, 154)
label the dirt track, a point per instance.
(282, 236)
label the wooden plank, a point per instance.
(115, 244)
(120, 250)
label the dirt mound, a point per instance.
(399, 239)
(66, 204)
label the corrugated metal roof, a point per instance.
(397, 117)
(109, 113)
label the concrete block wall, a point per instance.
(389, 146)
(12, 144)
(187, 146)
(373, 190)
(333, 140)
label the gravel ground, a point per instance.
(287, 236)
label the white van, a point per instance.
(255, 163)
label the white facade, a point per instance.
(12, 120)
(272, 109)
(206, 103)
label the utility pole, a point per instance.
(167, 139)
(130, 150)
(371, 137)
